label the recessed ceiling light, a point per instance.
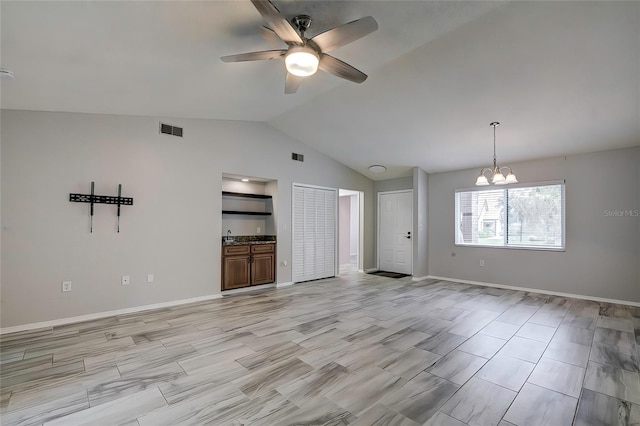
(245, 180)
(5, 74)
(377, 168)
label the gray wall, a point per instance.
(602, 251)
(393, 185)
(173, 230)
(420, 223)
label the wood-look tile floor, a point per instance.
(358, 349)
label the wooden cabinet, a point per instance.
(262, 265)
(246, 265)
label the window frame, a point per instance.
(504, 188)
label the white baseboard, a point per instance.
(537, 290)
(420, 278)
(247, 289)
(99, 315)
(285, 284)
(370, 270)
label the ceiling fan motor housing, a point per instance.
(302, 23)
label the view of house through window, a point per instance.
(522, 216)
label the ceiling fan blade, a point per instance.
(269, 34)
(343, 70)
(254, 56)
(276, 21)
(345, 34)
(292, 83)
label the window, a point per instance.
(521, 216)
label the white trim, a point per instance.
(315, 186)
(420, 278)
(370, 270)
(537, 290)
(285, 284)
(247, 289)
(99, 315)
(512, 185)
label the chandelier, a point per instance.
(496, 174)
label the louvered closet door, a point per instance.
(314, 233)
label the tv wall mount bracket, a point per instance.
(92, 199)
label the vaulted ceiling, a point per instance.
(561, 77)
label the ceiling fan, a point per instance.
(305, 55)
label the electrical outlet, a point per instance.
(258, 230)
(481, 262)
(149, 278)
(125, 280)
(66, 286)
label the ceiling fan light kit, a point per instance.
(304, 56)
(496, 174)
(302, 61)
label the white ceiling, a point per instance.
(561, 77)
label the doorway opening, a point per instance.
(350, 245)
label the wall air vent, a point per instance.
(168, 129)
(297, 157)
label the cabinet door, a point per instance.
(236, 272)
(262, 271)
(262, 248)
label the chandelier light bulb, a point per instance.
(482, 181)
(511, 178)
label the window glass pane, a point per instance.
(480, 217)
(531, 217)
(535, 216)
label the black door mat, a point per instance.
(389, 274)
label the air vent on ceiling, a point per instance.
(168, 129)
(297, 157)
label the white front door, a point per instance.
(395, 236)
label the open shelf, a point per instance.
(243, 195)
(247, 213)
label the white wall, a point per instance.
(173, 230)
(354, 218)
(344, 229)
(602, 251)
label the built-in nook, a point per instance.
(248, 231)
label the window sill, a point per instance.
(542, 248)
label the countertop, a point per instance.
(243, 240)
(245, 243)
